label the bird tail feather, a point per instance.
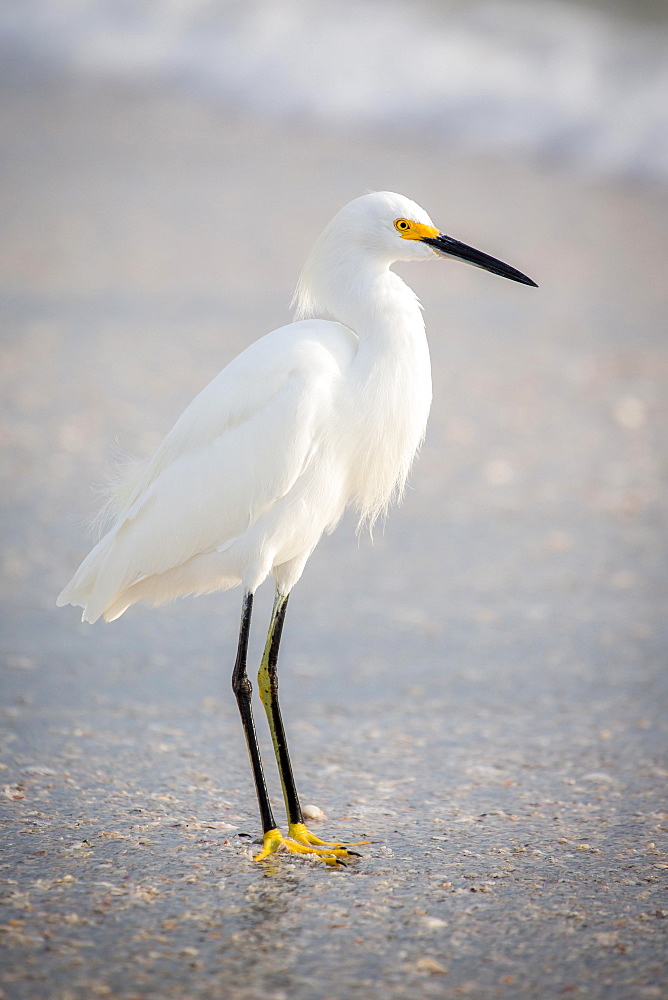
(97, 581)
(103, 587)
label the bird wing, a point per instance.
(240, 446)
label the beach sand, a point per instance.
(481, 692)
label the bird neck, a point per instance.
(390, 381)
(367, 297)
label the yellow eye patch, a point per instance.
(410, 230)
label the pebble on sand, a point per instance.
(430, 965)
(314, 813)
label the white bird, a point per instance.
(326, 412)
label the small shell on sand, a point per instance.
(430, 965)
(313, 813)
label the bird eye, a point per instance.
(402, 225)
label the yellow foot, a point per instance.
(299, 832)
(300, 841)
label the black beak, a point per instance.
(448, 247)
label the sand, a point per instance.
(480, 692)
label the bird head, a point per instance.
(396, 228)
(373, 232)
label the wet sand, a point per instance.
(481, 692)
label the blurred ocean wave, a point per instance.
(567, 83)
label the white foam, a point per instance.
(560, 81)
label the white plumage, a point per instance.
(266, 458)
(325, 412)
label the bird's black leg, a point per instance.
(301, 842)
(243, 689)
(268, 684)
(332, 853)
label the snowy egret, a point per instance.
(319, 414)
